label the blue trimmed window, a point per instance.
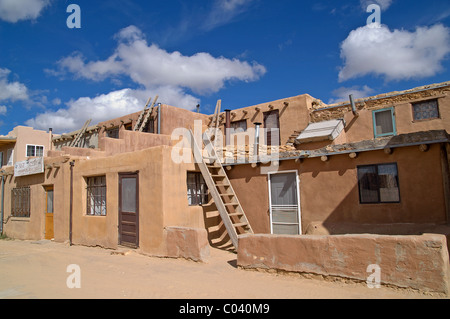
(384, 122)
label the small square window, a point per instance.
(426, 110)
(35, 151)
(197, 191)
(96, 196)
(378, 184)
(384, 122)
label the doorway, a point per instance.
(284, 197)
(272, 128)
(49, 231)
(129, 209)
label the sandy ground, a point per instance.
(38, 269)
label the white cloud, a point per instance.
(224, 11)
(16, 10)
(156, 71)
(112, 105)
(151, 66)
(396, 55)
(343, 93)
(3, 110)
(104, 107)
(11, 91)
(384, 4)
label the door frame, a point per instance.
(297, 179)
(268, 132)
(125, 175)
(48, 188)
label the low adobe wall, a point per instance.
(188, 243)
(419, 262)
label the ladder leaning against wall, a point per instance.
(227, 203)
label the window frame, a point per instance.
(376, 166)
(91, 209)
(23, 207)
(235, 130)
(413, 104)
(200, 198)
(35, 150)
(394, 125)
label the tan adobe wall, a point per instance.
(33, 228)
(418, 262)
(293, 115)
(361, 127)
(329, 190)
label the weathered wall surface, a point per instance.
(329, 190)
(188, 243)
(418, 262)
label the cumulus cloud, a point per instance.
(15, 10)
(151, 66)
(11, 91)
(156, 71)
(3, 110)
(103, 107)
(343, 93)
(396, 55)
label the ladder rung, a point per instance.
(240, 224)
(229, 195)
(216, 175)
(223, 185)
(236, 214)
(231, 204)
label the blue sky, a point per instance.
(244, 52)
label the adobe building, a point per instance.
(291, 167)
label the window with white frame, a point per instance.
(35, 150)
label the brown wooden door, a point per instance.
(49, 232)
(272, 127)
(129, 209)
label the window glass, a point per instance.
(384, 123)
(426, 110)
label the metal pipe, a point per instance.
(227, 127)
(159, 118)
(72, 164)
(352, 103)
(198, 108)
(1, 209)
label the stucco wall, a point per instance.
(329, 190)
(419, 262)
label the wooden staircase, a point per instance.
(222, 192)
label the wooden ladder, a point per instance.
(227, 203)
(145, 115)
(80, 134)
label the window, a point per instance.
(20, 202)
(197, 189)
(239, 126)
(96, 196)
(113, 133)
(1, 159)
(426, 110)
(10, 157)
(35, 151)
(384, 122)
(378, 184)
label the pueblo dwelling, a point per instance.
(294, 184)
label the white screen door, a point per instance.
(284, 204)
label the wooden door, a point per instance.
(129, 209)
(49, 232)
(272, 128)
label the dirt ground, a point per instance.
(38, 269)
